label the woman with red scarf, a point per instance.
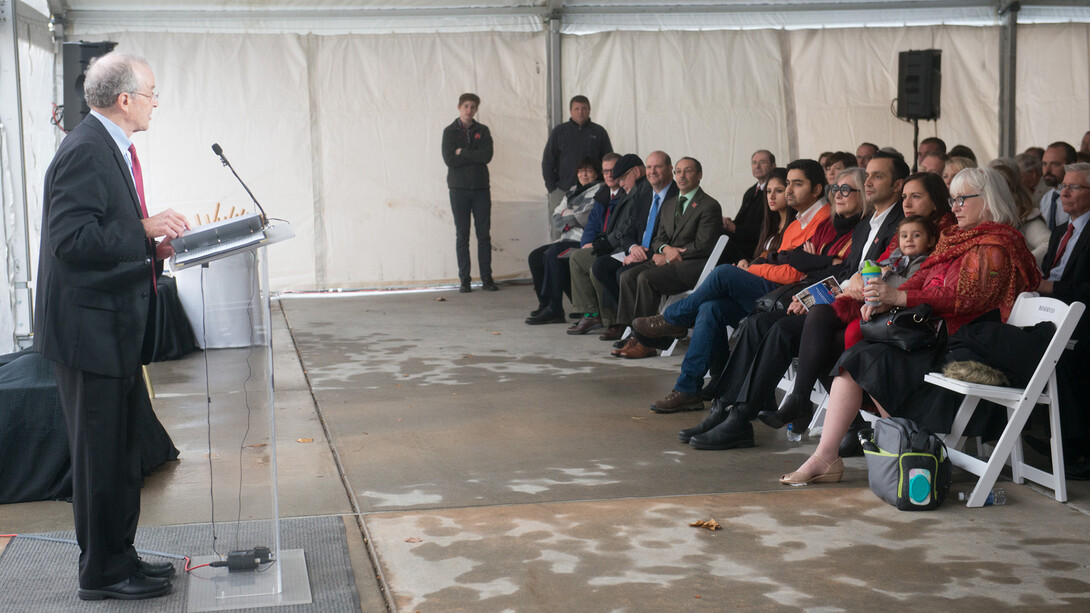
(979, 265)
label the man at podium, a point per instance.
(98, 266)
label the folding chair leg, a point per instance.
(670, 350)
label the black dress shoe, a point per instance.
(155, 569)
(539, 309)
(488, 285)
(1078, 471)
(850, 445)
(794, 407)
(136, 587)
(714, 418)
(548, 316)
(464, 288)
(734, 433)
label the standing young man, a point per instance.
(467, 150)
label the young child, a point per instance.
(916, 237)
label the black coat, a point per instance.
(1074, 283)
(469, 169)
(95, 269)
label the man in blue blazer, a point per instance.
(98, 265)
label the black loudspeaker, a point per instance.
(74, 62)
(919, 79)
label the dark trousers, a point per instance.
(477, 203)
(552, 275)
(100, 415)
(607, 271)
(642, 286)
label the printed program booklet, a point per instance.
(822, 292)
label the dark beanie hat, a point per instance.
(627, 162)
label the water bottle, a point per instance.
(998, 496)
(792, 435)
(870, 272)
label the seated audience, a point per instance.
(838, 162)
(961, 151)
(731, 291)
(929, 146)
(689, 226)
(864, 153)
(1030, 173)
(934, 162)
(980, 265)
(548, 269)
(744, 228)
(1030, 221)
(954, 165)
(1056, 156)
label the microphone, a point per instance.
(219, 151)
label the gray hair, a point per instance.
(1027, 162)
(1008, 162)
(108, 77)
(859, 177)
(1081, 167)
(992, 187)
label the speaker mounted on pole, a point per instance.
(919, 80)
(75, 58)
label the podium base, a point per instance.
(243, 590)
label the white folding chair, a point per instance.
(713, 259)
(1028, 310)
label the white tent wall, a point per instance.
(1053, 84)
(340, 134)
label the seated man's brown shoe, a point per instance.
(585, 324)
(656, 326)
(628, 343)
(613, 333)
(676, 402)
(638, 351)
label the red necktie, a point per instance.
(138, 179)
(1063, 245)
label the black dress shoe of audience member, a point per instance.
(162, 570)
(136, 587)
(465, 288)
(612, 333)
(548, 316)
(677, 402)
(714, 418)
(1078, 471)
(584, 325)
(656, 326)
(488, 285)
(540, 308)
(794, 406)
(734, 433)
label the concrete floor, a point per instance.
(502, 467)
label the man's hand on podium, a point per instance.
(169, 223)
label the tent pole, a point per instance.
(13, 183)
(1008, 65)
(554, 88)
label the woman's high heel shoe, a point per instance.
(795, 406)
(833, 473)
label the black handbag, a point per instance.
(906, 328)
(778, 299)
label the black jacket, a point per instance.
(1074, 283)
(861, 250)
(468, 170)
(95, 266)
(568, 144)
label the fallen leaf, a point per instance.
(710, 524)
(413, 539)
(304, 440)
(639, 418)
(496, 333)
(440, 299)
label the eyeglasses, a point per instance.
(1075, 188)
(152, 96)
(959, 201)
(844, 189)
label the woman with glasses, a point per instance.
(979, 267)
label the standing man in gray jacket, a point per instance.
(467, 150)
(568, 144)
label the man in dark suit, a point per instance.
(689, 225)
(636, 226)
(744, 228)
(95, 304)
(1066, 271)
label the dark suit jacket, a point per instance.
(700, 226)
(1074, 283)
(863, 251)
(95, 264)
(632, 214)
(748, 222)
